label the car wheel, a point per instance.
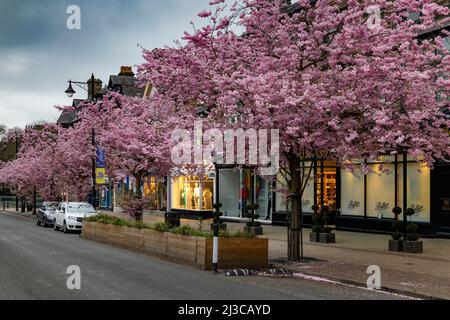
(56, 227)
(38, 223)
(65, 230)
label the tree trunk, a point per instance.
(295, 229)
(139, 208)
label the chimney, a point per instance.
(97, 87)
(126, 71)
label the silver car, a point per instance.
(46, 214)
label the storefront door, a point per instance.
(444, 200)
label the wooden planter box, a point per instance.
(257, 231)
(395, 245)
(413, 246)
(327, 238)
(193, 251)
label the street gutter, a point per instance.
(352, 283)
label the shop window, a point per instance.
(191, 193)
(418, 190)
(352, 193)
(327, 184)
(230, 181)
(281, 204)
(262, 198)
(155, 193)
(308, 197)
(381, 191)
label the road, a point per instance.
(34, 261)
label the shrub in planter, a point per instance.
(253, 226)
(327, 235)
(314, 236)
(172, 219)
(397, 211)
(412, 243)
(318, 224)
(396, 243)
(217, 215)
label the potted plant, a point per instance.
(217, 215)
(320, 232)
(327, 235)
(314, 236)
(396, 243)
(253, 226)
(412, 243)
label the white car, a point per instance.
(70, 215)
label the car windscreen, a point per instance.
(81, 208)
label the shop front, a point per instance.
(364, 202)
(240, 187)
(192, 197)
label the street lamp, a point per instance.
(70, 93)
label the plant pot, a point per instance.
(314, 237)
(222, 226)
(413, 246)
(172, 219)
(327, 238)
(257, 231)
(395, 245)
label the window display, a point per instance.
(352, 193)
(262, 198)
(418, 191)
(381, 191)
(190, 193)
(229, 192)
(155, 193)
(327, 176)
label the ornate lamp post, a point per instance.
(70, 93)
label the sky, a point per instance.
(39, 54)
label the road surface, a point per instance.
(34, 261)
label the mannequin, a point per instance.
(197, 196)
(207, 199)
(190, 198)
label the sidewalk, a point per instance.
(26, 214)
(426, 274)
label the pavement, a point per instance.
(34, 262)
(425, 275)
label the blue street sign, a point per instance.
(100, 162)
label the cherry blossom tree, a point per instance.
(135, 134)
(334, 83)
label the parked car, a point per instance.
(70, 216)
(46, 214)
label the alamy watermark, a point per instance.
(73, 22)
(74, 280)
(374, 18)
(228, 147)
(374, 280)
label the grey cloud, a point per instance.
(38, 54)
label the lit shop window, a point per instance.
(381, 191)
(418, 186)
(327, 184)
(191, 193)
(352, 193)
(155, 193)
